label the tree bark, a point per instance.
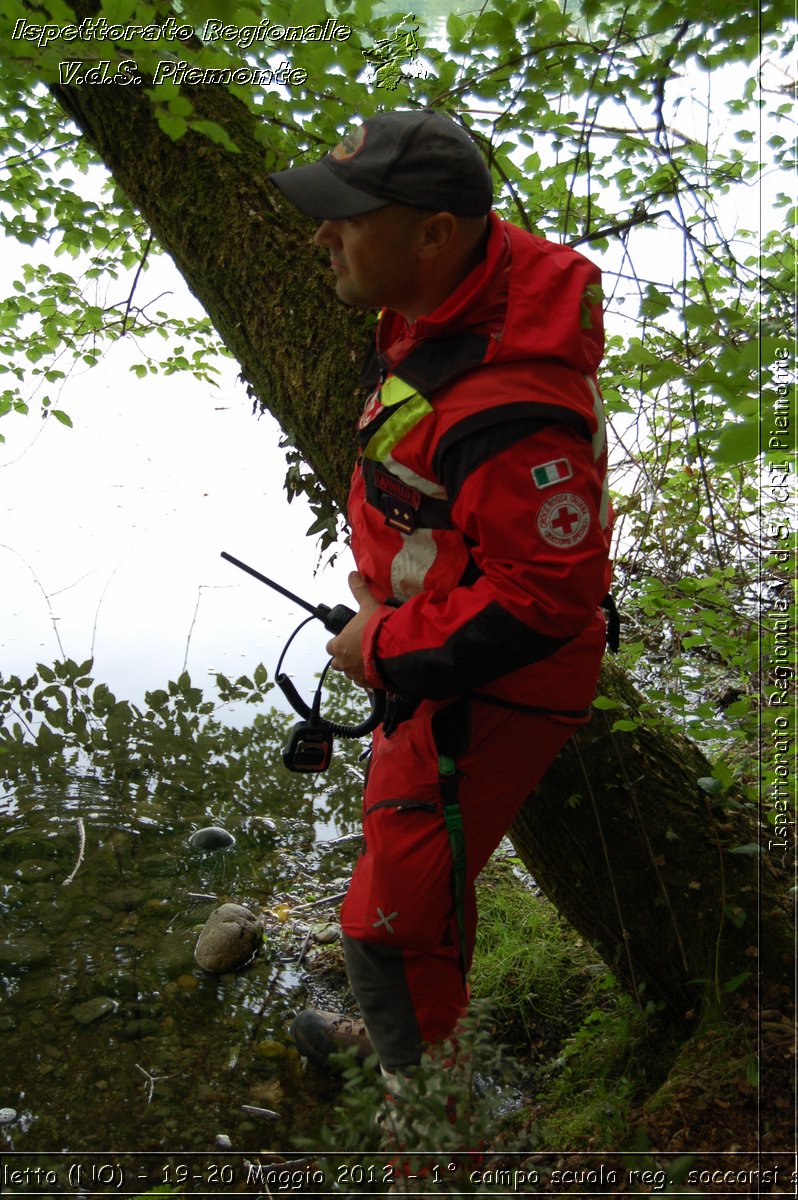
(246, 255)
(658, 873)
(620, 834)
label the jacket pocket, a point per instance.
(402, 806)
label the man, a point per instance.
(480, 528)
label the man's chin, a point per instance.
(348, 295)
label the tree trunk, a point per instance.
(246, 255)
(620, 834)
(658, 873)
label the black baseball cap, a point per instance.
(420, 158)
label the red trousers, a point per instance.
(401, 936)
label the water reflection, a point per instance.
(111, 1034)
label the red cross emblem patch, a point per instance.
(563, 520)
(372, 407)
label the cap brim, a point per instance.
(315, 190)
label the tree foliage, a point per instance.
(657, 142)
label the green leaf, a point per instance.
(733, 985)
(738, 443)
(119, 12)
(61, 416)
(217, 134)
(736, 915)
(173, 127)
(455, 27)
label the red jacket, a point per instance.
(479, 497)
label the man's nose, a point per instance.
(326, 234)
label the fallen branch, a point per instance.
(81, 852)
(151, 1081)
(319, 903)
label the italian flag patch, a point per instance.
(551, 472)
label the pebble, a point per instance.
(124, 899)
(173, 955)
(142, 1028)
(7, 1115)
(268, 1114)
(270, 1049)
(119, 983)
(211, 838)
(23, 950)
(223, 1142)
(93, 1010)
(35, 988)
(34, 869)
(326, 934)
(258, 825)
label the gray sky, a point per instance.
(122, 519)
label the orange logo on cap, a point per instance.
(351, 143)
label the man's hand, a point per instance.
(346, 647)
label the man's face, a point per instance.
(374, 258)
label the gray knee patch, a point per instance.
(377, 978)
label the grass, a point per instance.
(594, 1053)
(538, 974)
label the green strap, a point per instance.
(447, 772)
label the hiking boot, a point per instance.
(319, 1034)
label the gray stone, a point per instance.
(212, 838)
(92, 1010)
(173, 954)
(325, 934)
(140, 1028)
(118, 983)
(36, 987)
(124, 899)
(35, 869)
(229, 938)
(23, 950)
(7, 1115)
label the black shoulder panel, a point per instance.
(436, 361)
(481, 435)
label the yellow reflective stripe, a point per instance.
(599, 448)
(394, 390)
(395, 428)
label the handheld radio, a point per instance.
(310, 742)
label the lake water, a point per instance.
(112, 1036)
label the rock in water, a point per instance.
(93, 1010)
(212, 838)
(229, 938)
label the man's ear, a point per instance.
(438, 234)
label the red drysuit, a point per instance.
(480, 514)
